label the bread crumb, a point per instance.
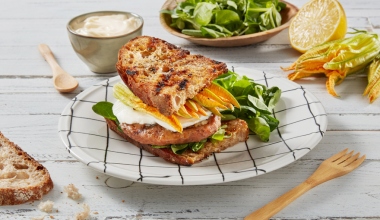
(72, 192)
(96, 213)
(52, 217)
(83, 215)
(38, 218)
(46, 206)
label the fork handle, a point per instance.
(281, 202)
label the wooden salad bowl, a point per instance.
(287, 14)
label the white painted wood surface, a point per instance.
(30, 109)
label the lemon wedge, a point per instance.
(317, 22)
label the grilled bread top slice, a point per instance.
(163, 75)
(22, 178)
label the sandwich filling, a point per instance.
(146, 125)
(195, 110)
(126, 114)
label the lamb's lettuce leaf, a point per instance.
(256, 100)
(203, 13)
(104, 109)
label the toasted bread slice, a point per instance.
(163, 75)
(22, 178)
(237, 128)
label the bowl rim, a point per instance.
(70, 30)
(202, 40)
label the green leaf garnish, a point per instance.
(197, 146)
(160, 146)
(178, 148)
(260, 127)
(220, 134)
(104, 109)
(256, 103)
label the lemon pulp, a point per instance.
(317, 22)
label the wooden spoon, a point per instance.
(63, 81)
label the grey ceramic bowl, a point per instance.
(100, 53)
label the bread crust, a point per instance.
(17, 195)
(237, 129)
(163, 75)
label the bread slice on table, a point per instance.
(237, 129)
(22, 178)
(163, 75)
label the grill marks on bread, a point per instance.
(163, 75)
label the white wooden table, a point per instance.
(30, 108)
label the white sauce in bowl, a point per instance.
(108, 25)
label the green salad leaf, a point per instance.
(198, 145)
(179, 148)
(220, 134)
(203, 13)
(104, 109)
(256, 100)
(225, 18)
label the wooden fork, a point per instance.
(335, 166)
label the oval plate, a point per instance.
(303, 122)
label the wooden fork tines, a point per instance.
(335, 166)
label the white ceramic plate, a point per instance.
(303, 122)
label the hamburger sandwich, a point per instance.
(169, 105)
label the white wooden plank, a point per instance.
(111, 197)
(32, 93)
(30, 108)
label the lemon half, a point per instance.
(317, 22)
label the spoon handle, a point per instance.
(49, 57)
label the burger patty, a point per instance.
(158, 135)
